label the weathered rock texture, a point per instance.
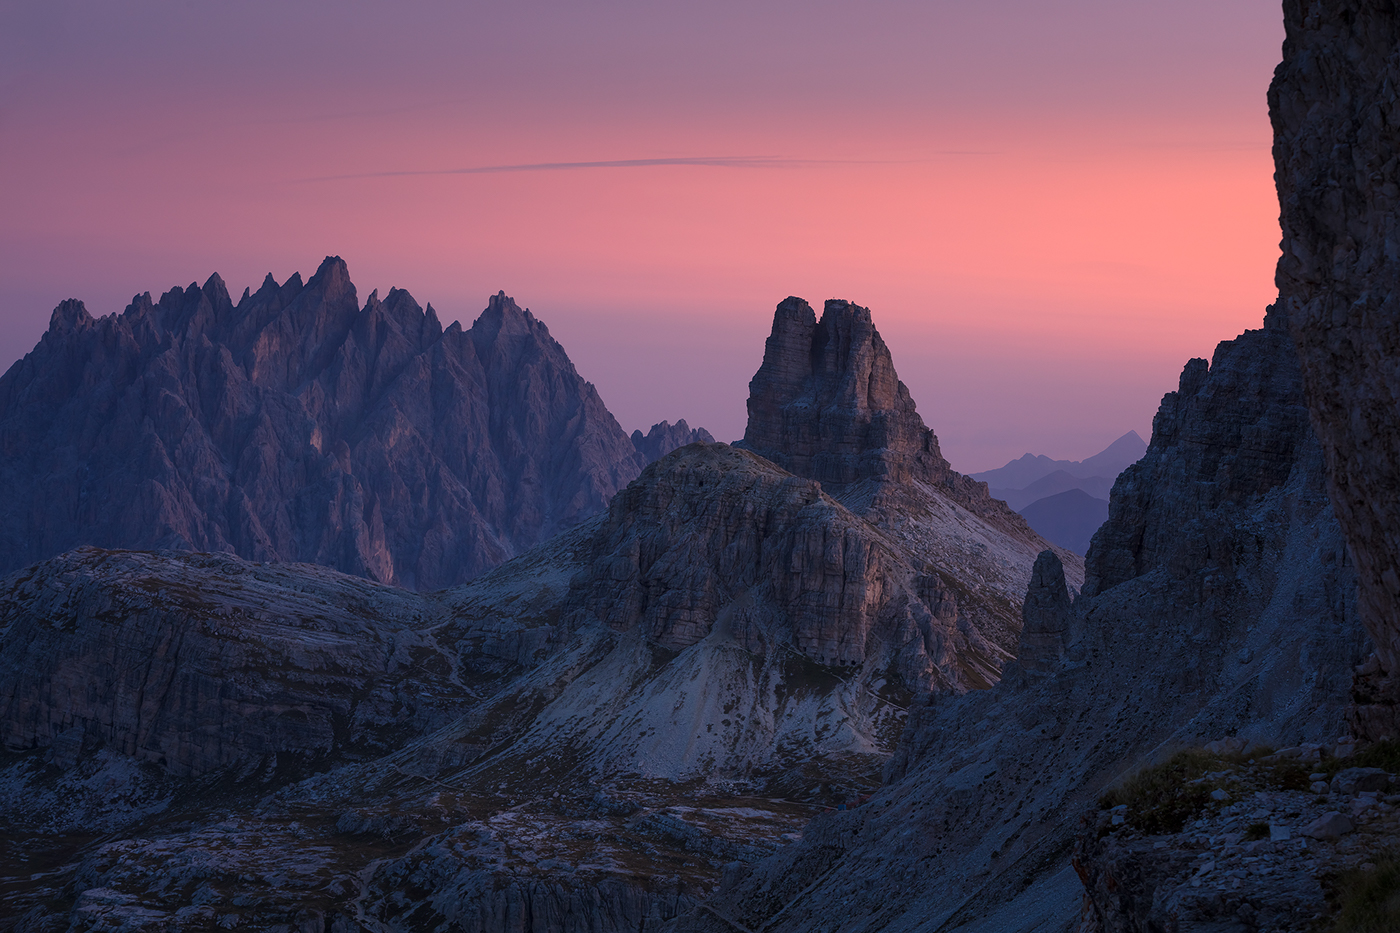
(1045, 617)
(665, 437)
(716, 533)
(1213, 875)
(202, 662)
(1336, 120)
(1243, 623)
(826, 404)
(297, 425)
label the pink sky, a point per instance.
(1048, 207)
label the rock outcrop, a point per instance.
(1244, 624)
(198, 663)
(665, 437)
(827, 404)
(1045, 617)
(298, 425)
(1336, 138)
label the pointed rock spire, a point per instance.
(827, 403)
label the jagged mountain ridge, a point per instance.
(1107, 463)
(665, 437)
(298, 425)
(604, 722)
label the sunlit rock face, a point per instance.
(1337, 158)
(300, 425)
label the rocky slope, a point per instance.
(299, 425)
(1335, 141)
(1242, 621)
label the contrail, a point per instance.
(705, 161)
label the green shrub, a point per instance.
(1256, 831)
(1369, 901)
(1161, 798)
(1379, 755)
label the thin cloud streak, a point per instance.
(702, 161)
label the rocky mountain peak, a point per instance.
(665, 437)
(299, 425)
(69, 315)
(827, 404)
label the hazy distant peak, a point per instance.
(665, 437)
(1028, 468)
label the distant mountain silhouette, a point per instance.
(300, 425)
(665, 437)
(1057, 482)
(1108, 463)
(1068, 519)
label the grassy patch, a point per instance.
(1256, 831)
(1161, 798)
(1369, 901)
(1380, 755)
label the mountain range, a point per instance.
(1064, 500)
(593, 729)
(300, 425)
(813, 681)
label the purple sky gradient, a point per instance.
(1049, 207)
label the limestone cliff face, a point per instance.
(1337, 165)
(1219, 601)
(1232, 431)
(713, 535)
(203, 662)
(298, 425)
(827, 404)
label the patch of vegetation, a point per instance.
(1161, 798)
(1368, 900)
(1384, 754)
(1256, 831)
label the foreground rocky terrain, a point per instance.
(1232, 840)
(300, 425)
(591, 736)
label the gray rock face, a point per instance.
(1234, 430)
(202, 662)
(716, 535)
(297, 425)
(665, 437)
(1242, 621)
(826, 404)
(1046, 617)
(1336, 140)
